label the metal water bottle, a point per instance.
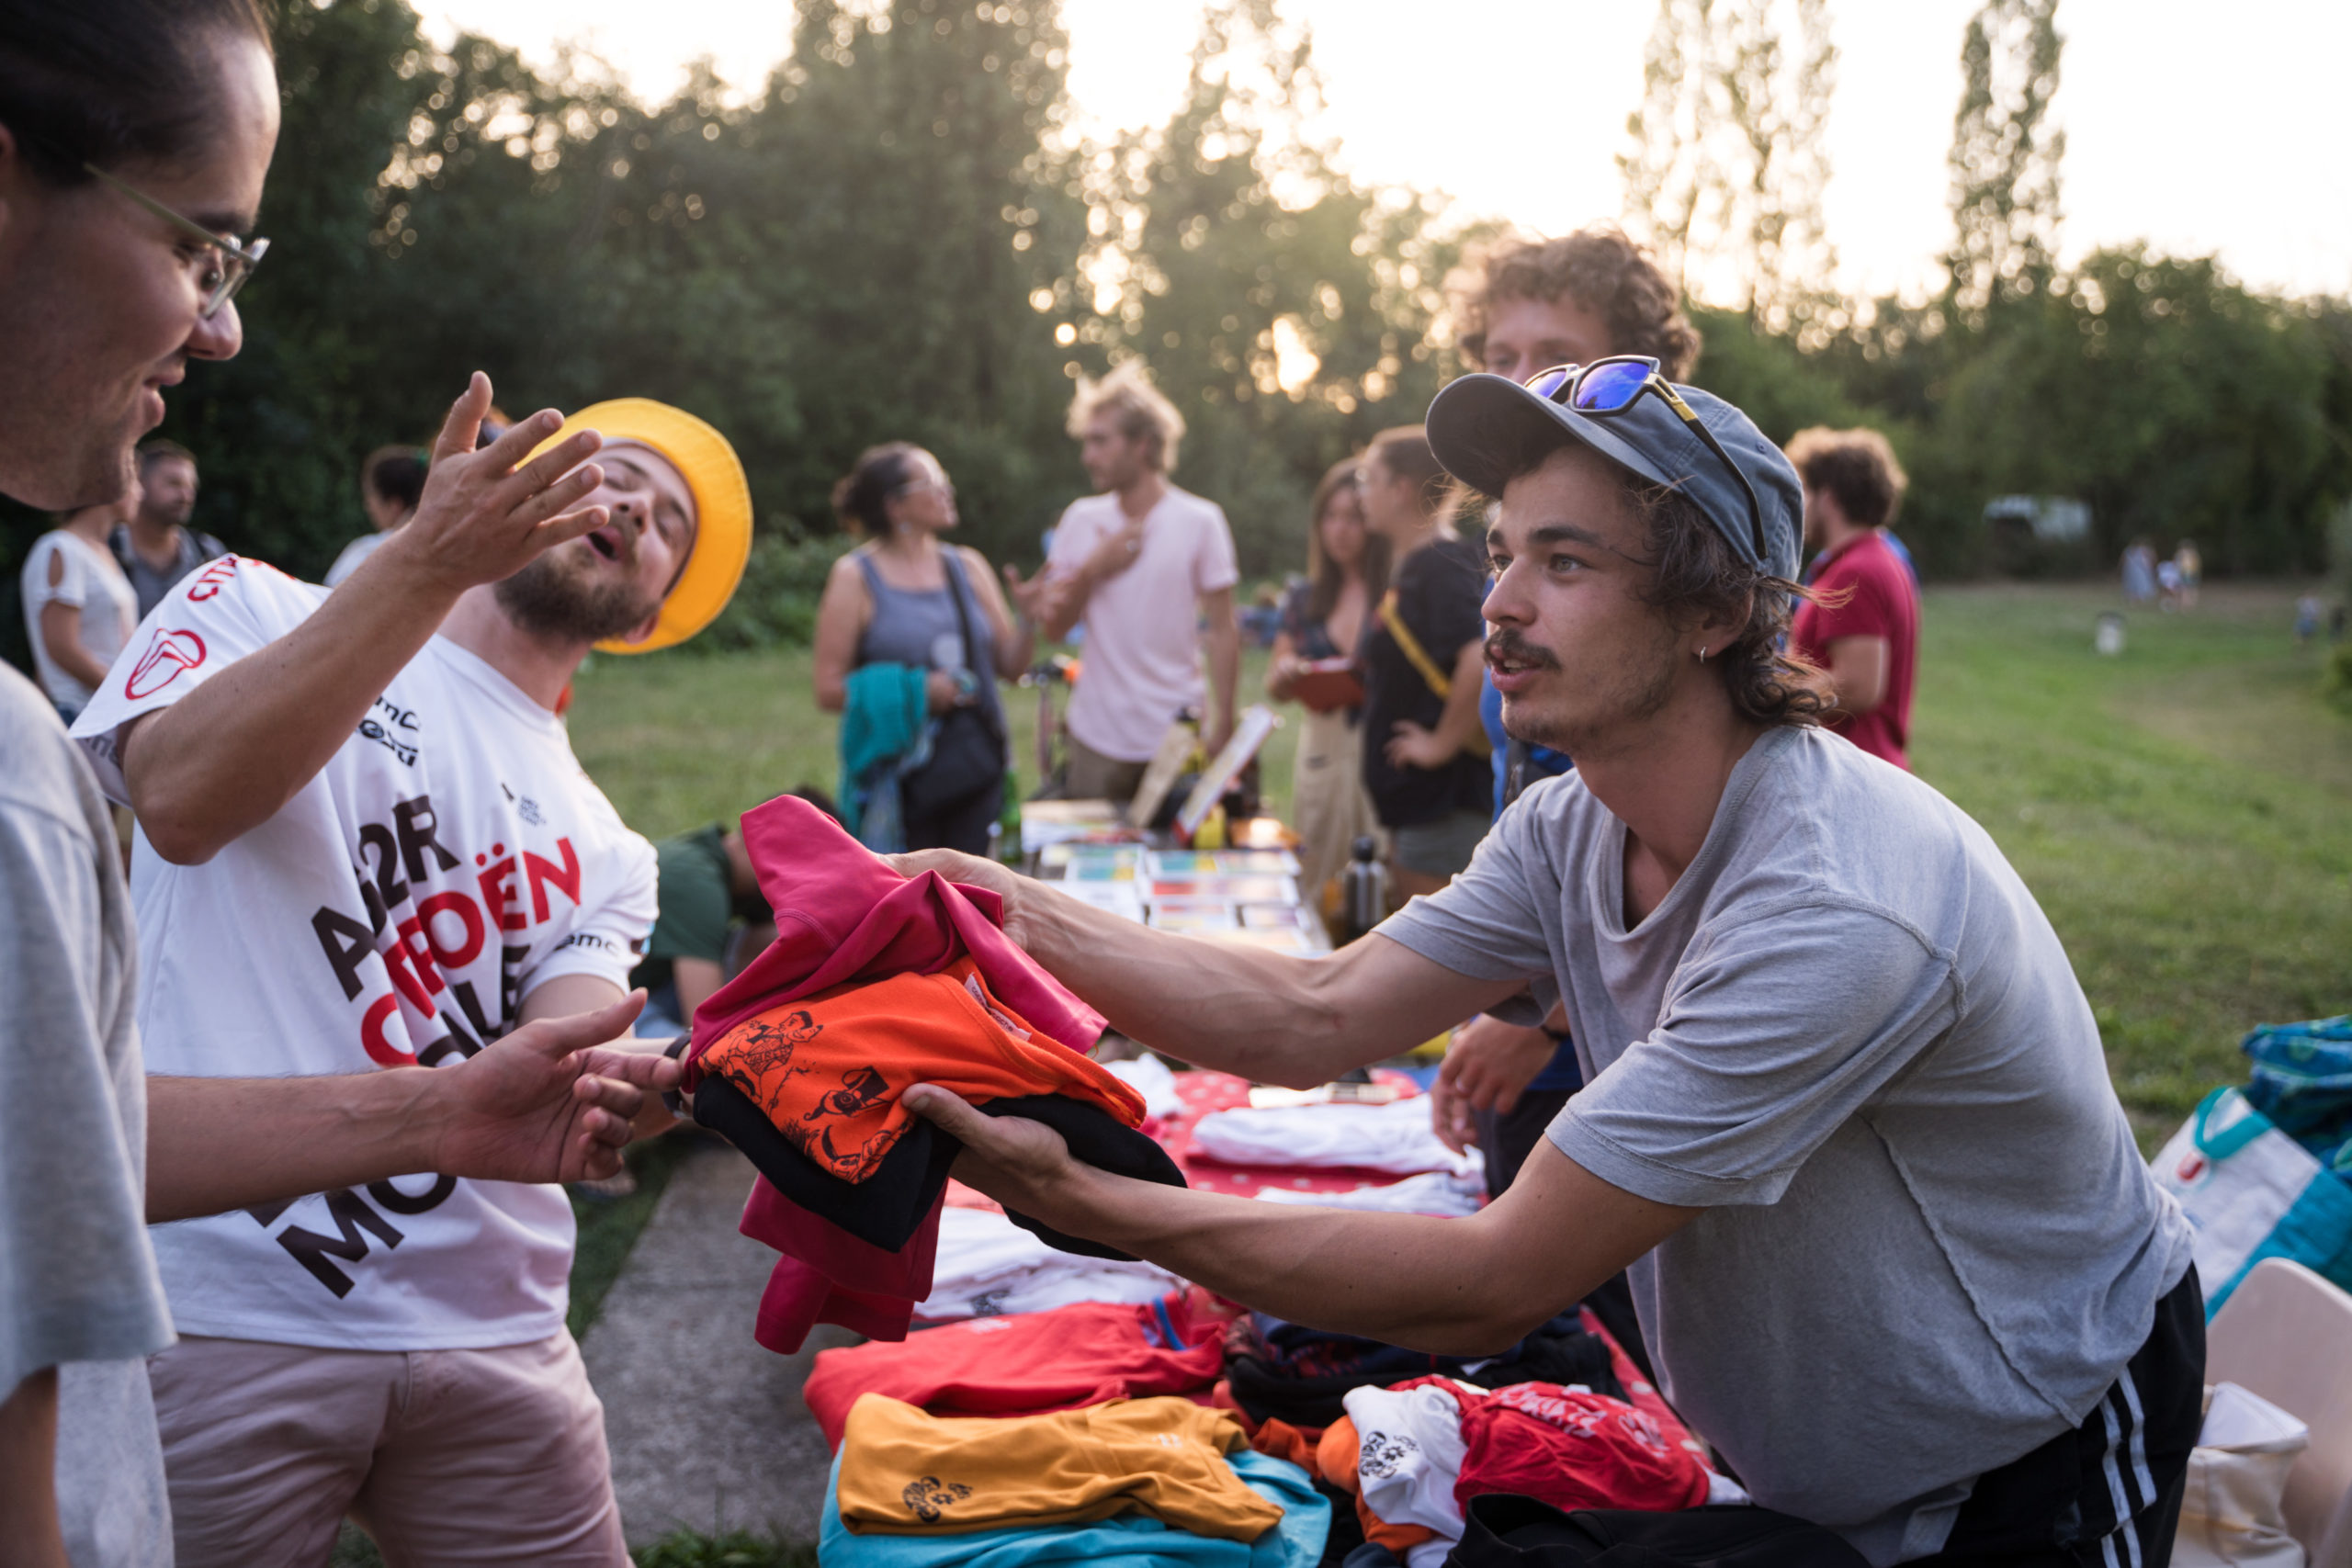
(1363, 889)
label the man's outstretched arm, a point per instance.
(228, 756)
(1451, 1287)
(1267, 1016)
(549, 1102)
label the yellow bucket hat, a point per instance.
(722, 508)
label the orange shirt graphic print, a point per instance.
(828, 1071)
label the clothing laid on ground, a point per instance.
(697, 905)
(844, 917)
(904, 1472)
(81, 1292)
(1123, 1541)
(90, 580)
(1504, 1531)
(1437, 590)
(151, 583)
(987, 1266)
(943, 630)
(1574, 1450)
(1849, 1033)
(1868, 592)
(1143, 643)
(1396, 1137)
(493, 1455)
(1303, 1376)
(1065, 1358)
(1328, 805)
(449, 860)
(1410, 1452)
(1431, 1192)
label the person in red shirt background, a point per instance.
(1862, 624)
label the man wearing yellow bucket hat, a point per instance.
(365, 845)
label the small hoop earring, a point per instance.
(1702, 656)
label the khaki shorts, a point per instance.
(444, 1457)
(1441, 848)
(1088, 774)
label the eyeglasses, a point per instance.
(1614, 385)
(226, 263)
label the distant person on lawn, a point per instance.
(1861, 622)
(1150, 569)
(155, 545)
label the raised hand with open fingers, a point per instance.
(486, 513)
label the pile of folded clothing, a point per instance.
(1286, 1371)
(1412, 1456)
(1140, 1482)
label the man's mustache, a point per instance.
(1508, 644)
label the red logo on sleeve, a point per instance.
(168, 653)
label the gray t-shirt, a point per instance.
(78, 1289)
(1850, 1034)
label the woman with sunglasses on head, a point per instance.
(911, 637)
(1322, 619)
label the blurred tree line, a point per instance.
(900, 235)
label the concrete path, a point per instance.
(707, 1430)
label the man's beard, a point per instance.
(1628, 695)
(545, 600)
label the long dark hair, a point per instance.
(862, 498)
(1326, 575)
(114, 82)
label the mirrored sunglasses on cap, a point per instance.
(1614, 385)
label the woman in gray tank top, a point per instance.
(905, 599)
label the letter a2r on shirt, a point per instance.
(449, 860)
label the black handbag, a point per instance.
(967, 750)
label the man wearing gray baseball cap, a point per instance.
(1846, 1116)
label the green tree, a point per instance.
(1286, 308)
(2004, 157)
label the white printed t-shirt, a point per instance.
(1143, 640)
(449, 860)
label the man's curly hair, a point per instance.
(1600, 270)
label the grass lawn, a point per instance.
(2180, 811)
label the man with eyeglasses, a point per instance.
(1846, 1119)
(134, 137)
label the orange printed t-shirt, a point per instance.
(828, 1071)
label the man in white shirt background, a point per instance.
(1150, 569)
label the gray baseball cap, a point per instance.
(1486, 430)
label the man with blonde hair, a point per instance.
(1862, 624)
(1142, 564)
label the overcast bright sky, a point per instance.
(2197, 128)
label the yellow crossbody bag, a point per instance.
(1437, 679)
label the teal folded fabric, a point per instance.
(882, 721)
(1126, 1540)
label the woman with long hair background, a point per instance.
(1323, 618)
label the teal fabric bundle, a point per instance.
(2302, 1082)
(886, 732)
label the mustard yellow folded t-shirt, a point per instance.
(906, 1472)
